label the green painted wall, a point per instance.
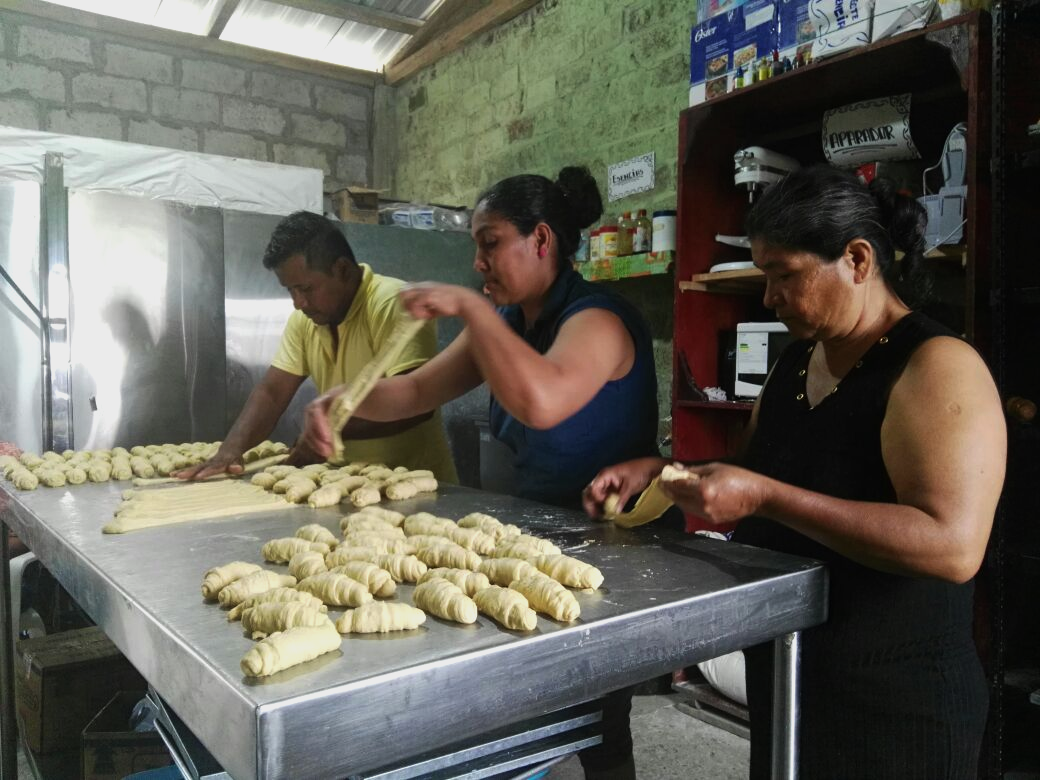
(590, 82)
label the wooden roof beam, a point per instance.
(352, 12)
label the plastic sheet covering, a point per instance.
(99, 165)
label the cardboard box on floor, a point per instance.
(63, 680)
(111, 751)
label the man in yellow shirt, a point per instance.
(344, 314)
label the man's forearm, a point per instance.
(254, 423)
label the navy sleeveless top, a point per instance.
(892, 686)
(618, 424)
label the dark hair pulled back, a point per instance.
(312, 235)
(821, 209)
(566, 205)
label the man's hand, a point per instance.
(316, 438)
(221, 463)
(625, 479)
(723, 493)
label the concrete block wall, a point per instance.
(67, 79)
(590, 82)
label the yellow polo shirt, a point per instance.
(307, 350)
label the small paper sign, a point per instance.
(870, 131)
(631, 176)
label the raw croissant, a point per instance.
(445, 600)
(448, 554)
(547, 595)
(425, 523)
(336, 590)
(315, 532)
(281, 550)
(281, 595)
(570, 571)
(377, 580)
(403, 568)
(290, 647)
(502, 571)
(345, 553)
(306, 564)
(264, 619)
(470, 582)
(220, 577)
(507, 607)
(251, 585)
(380, 617)
(386, 515)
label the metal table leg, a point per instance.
(8, 729)
(785, 707)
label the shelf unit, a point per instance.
(945, 67)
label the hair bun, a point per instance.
(582, 194)
(903, 216)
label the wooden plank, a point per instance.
(352, 12)
(223, 18)
(202, 43)
(495, 13)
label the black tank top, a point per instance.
(835, 449)
(891, 683)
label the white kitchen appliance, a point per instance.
(759, 344)
(946, 208)
(757, 167)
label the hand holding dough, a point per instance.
(264, 619)
(335, 589)
(445, 600)
(570, 571)
(377, 580)
(282, 550)
(282, 595)
(219, 577)
(251, 585)
(469, 582)
(508, 607)
(548, 596)
(289, 648)
(380, 617)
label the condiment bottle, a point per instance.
(626, 227)
(644, 230)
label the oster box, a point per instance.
(718, 46)
(795, 29)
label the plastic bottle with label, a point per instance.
(664, 230)
(644, 231)
(608, 235)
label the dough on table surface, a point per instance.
(403, 568)
(251, 585)
(382, 543)
(263, 480)
(327, 495)
(502, 571)
(445, 600)
(280, 595)
(425, 523)
(264, 619)
(335, 589)
(361, 523)
(489, 525)
(544, 545)
(473, 539)
(511, 548)
(406, 476)
(386, 515)
(546, 595)
(570, 571)
(363, 496)
(219, 577)
(379, 617)
(469, 582)
(290, 647)
(187, 502)
(307, 563)
(450, 555)
(315, 532)
(282, 550)
(23, 479)
(377, 580)
(508, 607)
(346, 552)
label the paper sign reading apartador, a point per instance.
(631, 176)
(869, 131)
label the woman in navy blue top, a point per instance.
(569, 365)
(877, 446)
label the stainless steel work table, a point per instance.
(668, 601)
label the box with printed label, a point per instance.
(709, 9)
(795, 30)
(728, 41)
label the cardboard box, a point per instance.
(63, 680)
(357, 204)
(111, 751)
(740, 37)
(795, 30)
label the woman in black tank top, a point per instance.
(877, 446)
